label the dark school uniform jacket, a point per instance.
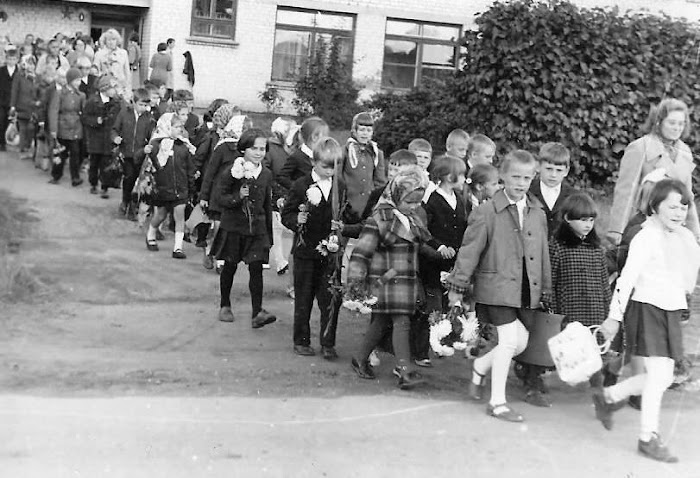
(552, 214)
(233, 215)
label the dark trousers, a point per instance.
(255, 284)
(130, 176)
(379, 327)
(97, 163)
(311, 281)
(72, 154)
(4, 123)
(26, 133)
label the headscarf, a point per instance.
(163, 131)
(389, 219)
(222, 116)
(233, 130)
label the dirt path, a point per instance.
(115, 321)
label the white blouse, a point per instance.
(661, 268)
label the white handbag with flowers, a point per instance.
(576, 352)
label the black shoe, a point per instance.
(329, 353)
(93, 190)
(105, 194)
(226, 314)
(656, 450)
(603, 410)
(159, 235)
(304, 350)
(262, 319)
(635, 401)
(179, 254)
(187, 238)
(363, 369)
(151, 245)
(54, 181)
(283, 270)
(537, 398)
(407, 379)
(76, 183)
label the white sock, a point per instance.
(659, 377)
(622, 390)
(512, 339)
(179, 237)
(151, 234)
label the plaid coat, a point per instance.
(579, 278)
(388, 265)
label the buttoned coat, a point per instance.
(493, 249)
(364, 176)
(641, 157)
(135, 133)
(580, 288)
(233, 215)
(388, 266)
(65, 112)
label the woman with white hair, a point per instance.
(112, 58)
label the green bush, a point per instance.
(536, 72)
(327, 89)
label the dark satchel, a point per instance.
(542, 325)
(113, 171)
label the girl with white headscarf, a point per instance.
(171, 157)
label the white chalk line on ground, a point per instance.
(223, 420)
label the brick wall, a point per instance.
(42, 18)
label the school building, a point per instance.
(240, 48)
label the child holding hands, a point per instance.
(505, 251)
(650, 294)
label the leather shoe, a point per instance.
(262, 319)
(603, 410)
(363, 369)
(304, 350)
(504, 412)
(537, 398)
(329, 353)
(226, 314)
(77, 183)
(151, 245)
(407, 379)
(656, 450)
(179, 254)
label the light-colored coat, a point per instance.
(492, 253)
(641, 157)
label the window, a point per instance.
(413, 50)
(214, 18)
(299, 34)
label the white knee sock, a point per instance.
(622, 390)
(511, 339)
(151, 233)
(179, 237)
(659, 378)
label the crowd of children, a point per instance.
(419, 233)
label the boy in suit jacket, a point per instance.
(550, 190)
(7, 75)
(311, 269)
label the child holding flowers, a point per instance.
(245, 231)
(385, 264)
(313, 202)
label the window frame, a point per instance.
(420, 41)
(211, 21)
(314, 31)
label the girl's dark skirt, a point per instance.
(169, 205)
(233, 247)
(653, 332)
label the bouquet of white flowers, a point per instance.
(455, 330)
(356, 299)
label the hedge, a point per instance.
(536, 72)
